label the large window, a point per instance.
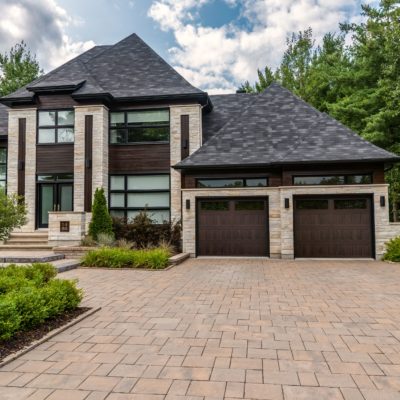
(3, 168)
(333, 180)
(139, 126)
(130, 194)
(56, 126)
(231, 182)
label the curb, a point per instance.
(51, 334)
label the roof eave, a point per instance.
(17, 101)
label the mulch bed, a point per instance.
(23, 339)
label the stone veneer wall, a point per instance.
(30, 160)
(77, 225)
(281, 219)
(195, 135)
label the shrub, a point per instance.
(12, 214)
(124, 244)
(101, 220)
(392, 250)
(40, 273)
(105, 239)
(10, 320)
(88, 241)
(118, 258)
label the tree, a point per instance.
(12, 214)
(18, 67)
(101, 220)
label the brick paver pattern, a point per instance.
(223, 328)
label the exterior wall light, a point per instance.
(187, 204)
(287, 203)
(383, 201)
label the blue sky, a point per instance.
(215, 44)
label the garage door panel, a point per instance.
(342, 228)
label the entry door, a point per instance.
(53, 197)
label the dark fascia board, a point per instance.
(17, 101)
(281, 164)
(67, 88)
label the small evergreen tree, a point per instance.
(101, 220)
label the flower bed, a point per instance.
(30, 296)
(114, 257)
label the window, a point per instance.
(249, 205)
(231, 182)
(130, 194)
(139, 126)
(332, 180)
(347, 204)
(215, 205)
(312, 204)
(3, 168)
(56, 126)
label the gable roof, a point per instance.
(276, 128)
(129, 69)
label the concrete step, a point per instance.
(23, 241)
(22, 235)
(29, 258)
(66, 265)
(24, 247)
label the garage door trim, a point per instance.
(233, 198)
(370, 196)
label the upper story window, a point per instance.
(143, 126)
(56, 126)
(231, 182)
(3, 168)
(361, 179)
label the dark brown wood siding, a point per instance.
(54, 158)
(21, 155)
(88, 161)
(139, 158)
(184, 136)
(56, 101)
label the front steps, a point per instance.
(21, 241)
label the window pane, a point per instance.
(256, 182)
(358, 179)
(47, 136)
(65, 135)
(117, 183)
(3, 171)
(150, 116)
(249, 205)
(117, 200)
(146, 200)
(311, 204)
(117, 119)
(319, 180)
(154, 134)
(350, 204)
(3, 155)
(158, 216)
(46, 178)
(2, 186)
(47, 118)
(117, 213)
(219, 183)
(215, 205)
(148, 182)
(66, 117)
(117, 135)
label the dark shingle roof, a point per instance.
(279, 128)
(3, 120)
(128, 69)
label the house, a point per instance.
(247, 174)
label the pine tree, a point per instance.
(101, 220)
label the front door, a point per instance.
(53, 197)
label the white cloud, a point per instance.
(42, 25)
(220, 58)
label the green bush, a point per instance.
(30, 295)
(107, 257)
(101, 220)
(392, 250)
(12, 214)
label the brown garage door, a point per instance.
(333, 227)
(232, 227)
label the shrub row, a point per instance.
(30, 295)
(114, 257)
(392, 250)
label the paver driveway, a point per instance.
(253, 329)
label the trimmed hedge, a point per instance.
(392, 250)
(114, 257)
(30, 295)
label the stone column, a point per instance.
(195, 139)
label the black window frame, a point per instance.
(126, 192)
(5, 165)
(345, 176)
(56, 126)
(243, 179)
(127, 125)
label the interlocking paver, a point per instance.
(233, 328)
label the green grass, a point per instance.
(114, 257)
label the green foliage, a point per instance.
(392, 250)
(101, 220)
(18, 67)
(105, 239)
(30, 295)
(12, 214)
(116, 257)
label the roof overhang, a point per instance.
(56, 87)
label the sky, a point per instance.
(215, 44)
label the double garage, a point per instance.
(323, 226)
